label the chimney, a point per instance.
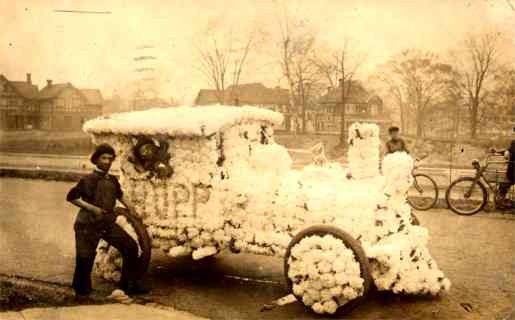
(49, 83)
(329, 89)
(29, 78)
(340, 83)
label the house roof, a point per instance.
(23, 88)
(27, 90)
(358, 94)
(93, 96)
(52, 91)
(247, 94)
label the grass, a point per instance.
(71, 143)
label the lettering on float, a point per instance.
(194, 193)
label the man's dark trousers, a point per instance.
(87, 236)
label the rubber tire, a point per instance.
(414, 220)
(481, 186)
(352, 244)
(435, 186)
(144, 241)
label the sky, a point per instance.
(97, 50)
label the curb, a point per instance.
(52, 175)
(18, 292)
(30, 293)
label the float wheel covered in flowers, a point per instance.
(335, 292)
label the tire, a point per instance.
(427, 183)
(351, 243)
(144, 241)
(414, 220)
(464, 183)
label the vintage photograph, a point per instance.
(257, 159)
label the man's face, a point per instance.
(394, 135)
(105, 161)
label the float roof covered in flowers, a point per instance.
(180, 121)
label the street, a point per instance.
(476, 253)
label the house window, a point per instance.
(60, 102)
(362, 109)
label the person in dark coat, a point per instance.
(504, 187)
(96, 195)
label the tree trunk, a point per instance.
(473, 120)
(343, 132)
(420, 124)
(303, 106)
(403, 118)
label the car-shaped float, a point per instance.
(205, 179)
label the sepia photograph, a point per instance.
(257, 159)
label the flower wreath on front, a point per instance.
(151, 157)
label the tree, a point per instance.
(476, 70)
(339, 69)
(499, 101)
(296, 47)
(417, 81)
(223, 55)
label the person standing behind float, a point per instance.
(396, 143)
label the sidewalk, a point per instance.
(97, 312)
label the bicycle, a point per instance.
(423, 194)
(469, 195)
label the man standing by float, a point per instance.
(96, 195)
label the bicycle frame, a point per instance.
(490, 187)
(415, 184)
(479, 178)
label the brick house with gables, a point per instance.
(18, 104)
(64, 107)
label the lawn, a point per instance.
(72, 143)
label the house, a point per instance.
(18, 104)
(252, 94)
(64, 107)
(360, 106)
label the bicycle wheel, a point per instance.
(464, 201)
(423, 194)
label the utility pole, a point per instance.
(145, 76)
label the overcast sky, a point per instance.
(96, 50)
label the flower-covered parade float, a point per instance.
(205, 179)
